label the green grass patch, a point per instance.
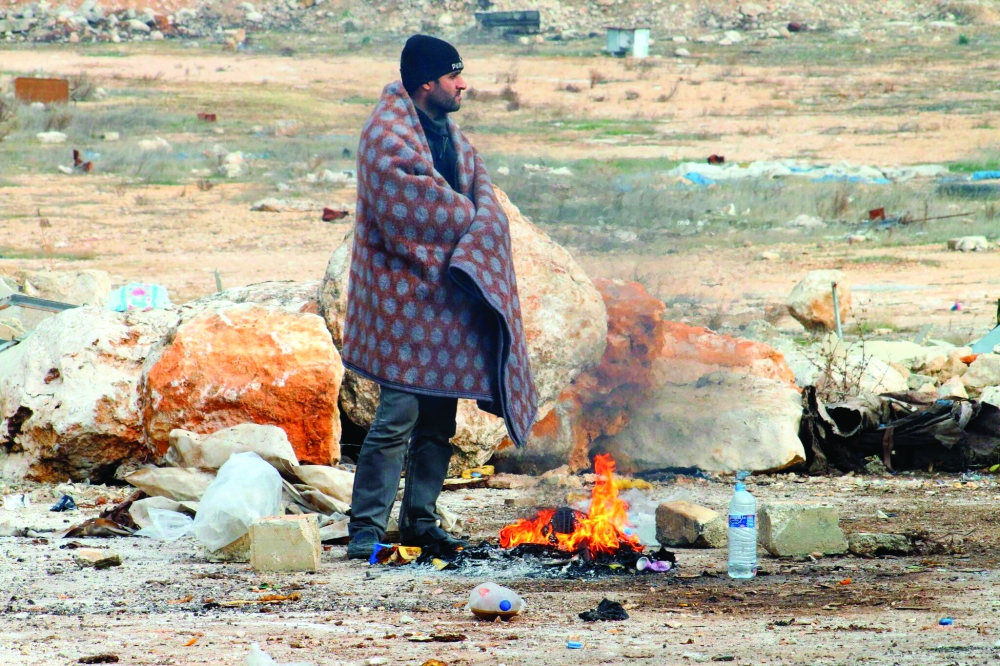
(892, 260)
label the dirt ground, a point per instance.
(153, 609)
(178, 235)
(832, 610)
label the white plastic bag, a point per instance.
(167, 525)
(247, 488)
(490, 601)
(258, 657)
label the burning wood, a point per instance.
(604, 529)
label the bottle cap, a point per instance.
(740, 486)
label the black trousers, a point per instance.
(425, 425)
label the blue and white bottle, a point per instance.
(742, 531)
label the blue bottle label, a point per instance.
(743, 521)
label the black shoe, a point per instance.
(435, 541)
(360, 546)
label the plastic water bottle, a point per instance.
(490, 601)
(742, 531)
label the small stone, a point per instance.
(97, 558)
(953, 388)
(285, 543)
(789, 529)
(682, 53)
(969, 244)
(984, 371)
(682, 523)
(111, 136)
(769, 256)
(51, 137)
(811, 301)
(869, 544)
(377, 661)
(156, 36)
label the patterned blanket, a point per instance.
(432, 305)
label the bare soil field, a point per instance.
(889, 97)
(157, 608)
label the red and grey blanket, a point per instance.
(432, 297)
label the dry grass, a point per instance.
(81, 87)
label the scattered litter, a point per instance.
(574, 645)
(957, 307)
(246, 488)
(490, 601)
(695, 178)
(606, 611)
(207, 117)
(258, 657)
(716, 159)
(479, 472)
(391, 554)
(96, 527)
(644, 563)
(907, 431)
(166, 525)
(79, 164)
(15, 502)
(138, 296)
(330, 215)
(66, 503)
(842, 172)
(99, 659)
(946, 622)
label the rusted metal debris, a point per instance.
(46, 91)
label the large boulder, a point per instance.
(68, 394)
(597, 403)
(285, 294)
(811, 301)
(724, 421)
(87, 287)
(246, 363)
(669, 395)
(564, 320)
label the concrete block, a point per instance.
(870, 544)
(789, 529)
(285, 543)
(685, 524)
(237, 551)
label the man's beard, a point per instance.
(442, 101)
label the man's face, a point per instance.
(445, 94)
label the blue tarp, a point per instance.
(830, 178)
(698, 179)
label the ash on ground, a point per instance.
(541, 561)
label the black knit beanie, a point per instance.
(427, 58)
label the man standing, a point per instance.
(433, 312)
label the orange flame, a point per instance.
(602, 530)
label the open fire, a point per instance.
(603, 530)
